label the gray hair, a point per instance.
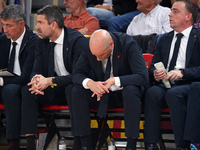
(14, 12)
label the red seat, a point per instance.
(2, 106)
(55, 107)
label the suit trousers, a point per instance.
(129, 98)
(192, 126)
(11, 98)
(156, 97)
(32, 102)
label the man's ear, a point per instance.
(54, 25)
(22, 24)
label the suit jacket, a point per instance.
(192, 66)
(128, 63)
(74, 43)
(26, 57)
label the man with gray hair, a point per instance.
(17, 55)
(153, 19)
(79, 18)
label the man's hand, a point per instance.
(159, 75)
(43, 82)
(97, 88)
(102, 7)
(174, 75)
(84, 31)
(34, 87)
(39, 83)
(108, 83)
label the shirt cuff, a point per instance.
(84, 83)
(117, 81)
(1, 81)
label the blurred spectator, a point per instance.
(79, 18)
(2, 6)
(197, 23)
(105, 10)
(21, 2)
(166, 3)
(153, 19)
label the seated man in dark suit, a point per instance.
(56, 55)
(111, 74)
(192, 123)
(17, 54)
(179, 51)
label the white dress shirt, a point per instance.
(117, 84)
(16, 68)
(156, 21)
(58, 56)
(181, 58)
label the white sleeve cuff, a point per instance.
(84, 83)
(1, 81)
(117, 81)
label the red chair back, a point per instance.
(148, 59)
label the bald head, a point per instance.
(101, 44)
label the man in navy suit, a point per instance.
(192, 125)
(111, 74)
(56, 55)
(183, 70)
(17, 54)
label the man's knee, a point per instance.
(10, 88)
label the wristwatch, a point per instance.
(53, 80)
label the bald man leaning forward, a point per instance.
(97, 86)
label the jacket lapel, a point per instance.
(168, 47)
(66, 52)
(116, 55)
(190, 46)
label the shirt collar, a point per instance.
(60, 38)
(185, 32)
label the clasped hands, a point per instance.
(39, 83)
(172, 75)
(100, 87)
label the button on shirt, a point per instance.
(181, 58)
(156, 21)
(59, 66)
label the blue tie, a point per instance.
(175, 53)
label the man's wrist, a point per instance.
(182, 71)
(53, 82)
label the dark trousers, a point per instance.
(176, 99)
(30, 103)
(129, 98)
(192, 126)
(11, 98)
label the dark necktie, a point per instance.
(108, 69)
(104, 99)
(175, 53)
(12, 57)
(51, 59)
